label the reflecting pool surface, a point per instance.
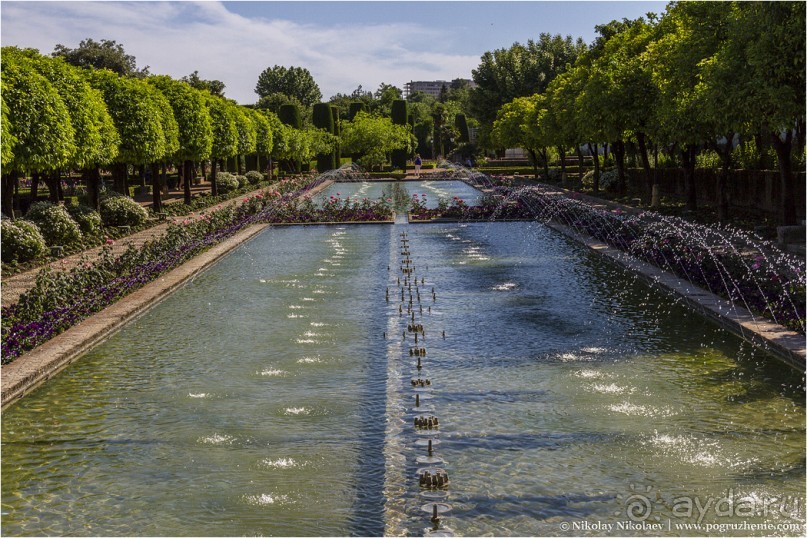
(428, 191)
(264, 399)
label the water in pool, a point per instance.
(264, 399)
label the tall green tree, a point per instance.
(520, 71)
(768, 40)
(193, 119)
(38, 122)
(215, 87)
(225, 135)
(521, 123)
(96, 138)
(104, 54)
(291, 81)
(373, 137)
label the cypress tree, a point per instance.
(337, 131)
(289, 114)
(323, 119)
(400, 113)
(355, 108)
(462, 126)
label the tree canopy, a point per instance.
(106, 54)
(295, 82)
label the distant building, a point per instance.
(430, 87)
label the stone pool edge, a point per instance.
(39, 365)
(788, 346)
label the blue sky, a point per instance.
(343, 44)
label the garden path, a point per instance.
(11, 288)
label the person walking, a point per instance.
(418, 163)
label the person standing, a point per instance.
(418, 162)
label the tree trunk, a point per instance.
(604, 153)
(655, 191)
(92, 177)
(688, 155)
(619, 157)
(534, 159)
(214, 189)
(725, 152)
(270, 170)
(7, 195)
(164, 174)
(592, 148)
(787, 207)
(52, 180)
(141, 172)
(156, 194)
(187, 169)
(562, 153)
(545, 160)
(642, 142)
(203, 167)
(579, 160)
(119, 178)
(35, 177)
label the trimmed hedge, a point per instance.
(253, 177)
(22, 241)
(226, 182)
(55, 224)
(88, 219)
(122, 211)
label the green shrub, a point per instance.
(226, 182)
(22, 241)
(122, 211)
(254, 177)
(608, 179)
(88, 219)
(55, 224)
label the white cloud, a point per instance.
(176, 38)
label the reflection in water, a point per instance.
(564, 387)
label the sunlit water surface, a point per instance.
(263, 399)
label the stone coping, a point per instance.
(788, 346)
(40, 364)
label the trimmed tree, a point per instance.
(39, 123)
(400, 116)
(193, 119)
(323, 119)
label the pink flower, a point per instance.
(110, 242)
(755, 266)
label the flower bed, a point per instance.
(59, 300)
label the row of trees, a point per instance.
(701, 76)
(58, 116)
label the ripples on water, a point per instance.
(562, 387)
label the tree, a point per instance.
(688, 34)
(520, 123)
(96, 138)
(215, 87)
(323, 119)
(384, 97)
(105, 54)
(293, 81)
(768, 39)
(372, 137)
(247, 136)
(520, 71)
(39, 123)
(225, 135)
(138, 117)
(193, 119)
(264, 139)
(620, 90)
